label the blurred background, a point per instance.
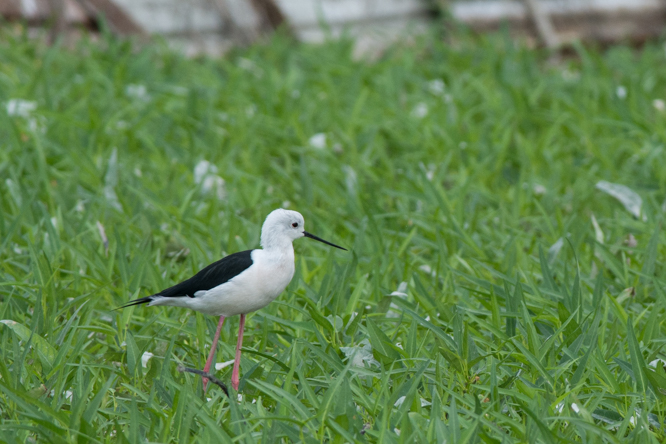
(213, 26)
(497, 182)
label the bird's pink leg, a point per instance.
(211, 356)
(234, 375)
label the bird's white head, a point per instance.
(280, 227)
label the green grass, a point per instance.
(460, 192)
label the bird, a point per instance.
(242, 282)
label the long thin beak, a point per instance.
(312, 236)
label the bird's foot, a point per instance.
(235, 381)
(206, 376)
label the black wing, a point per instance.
(213, 275)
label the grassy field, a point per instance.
(493, 293)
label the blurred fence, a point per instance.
(214, 25)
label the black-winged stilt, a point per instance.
(241, 282)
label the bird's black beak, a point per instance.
(312, 236)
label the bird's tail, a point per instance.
(139, 301)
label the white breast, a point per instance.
(254, 288)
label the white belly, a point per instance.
(251, 290)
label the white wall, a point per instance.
(197, 24)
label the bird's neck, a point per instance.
(274, 241)
(278, 248)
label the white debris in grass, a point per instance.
(360, 354)
(401, 291)
(621, 92)
(240, 397)
(630, 199)
(428, 270)
(631, 241)
(205, 175)
(102, 235)
(538, 189)
(318, 141)
(220, 365)
(555, 249)
(24, 108)
(68, 395)
(657, 362)
(420, 110)
(178, 90)
(570, 76)
(111, 181)
(137, 92)
(632, 420)
(393, 312)
(659, 104)
(145, 357)
(575, 407)
(286, 204)
(246, 64)
(559, 407)
(436, 86)
(350, 179)
(250, 66)
(429, 170)
(598, 234)
(20, 107)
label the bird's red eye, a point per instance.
(295, 225)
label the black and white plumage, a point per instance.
(214, 275)
(242, 282)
